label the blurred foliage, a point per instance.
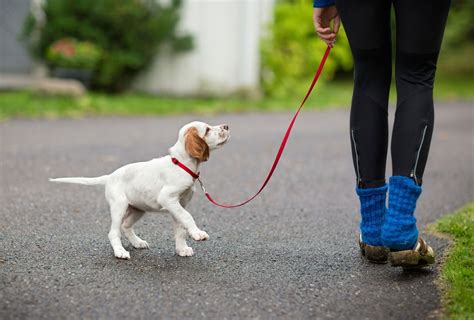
(128, 32)
(291, 50)
(458, 43)
(459, 29)
(33, 104)
(70, 53)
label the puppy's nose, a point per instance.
(225, 127)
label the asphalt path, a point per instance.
(291, 253)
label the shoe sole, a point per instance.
(412, 259)
(374, 254)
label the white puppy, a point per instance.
(158, 185)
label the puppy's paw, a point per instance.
(199, 235)
(121, 253)
(140, 244)
(185, 252)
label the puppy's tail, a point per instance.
(81, 180)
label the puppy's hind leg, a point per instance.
(133, 215)
(180, 234)
(118, 209)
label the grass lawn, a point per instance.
(458, 269)
(28, 104)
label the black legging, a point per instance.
(420, 27)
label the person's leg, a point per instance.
(420, 27)
(367, 25)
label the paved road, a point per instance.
(289, 254)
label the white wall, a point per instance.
(226, 56)
(14, 57)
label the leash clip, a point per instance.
(202, 185)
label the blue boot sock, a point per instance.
(399, 231)
(372, 210)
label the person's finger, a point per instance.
(317, 18)
(329, 43)
(322, 30)
(328, 37)
(328, 40)
(327, 34)
(337, 23)
(323, 37)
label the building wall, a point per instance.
(226, 56)
(14, 57)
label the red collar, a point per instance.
(182, 166)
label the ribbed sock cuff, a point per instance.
(372, 210)
(399, 231)
(404, 185)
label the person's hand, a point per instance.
(322, 18)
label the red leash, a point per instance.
(280, 151)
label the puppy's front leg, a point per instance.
(169, 199)
(182, 248)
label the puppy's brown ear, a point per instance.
(195, 146)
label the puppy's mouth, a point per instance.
(223, 141)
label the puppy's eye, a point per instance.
(207, 130)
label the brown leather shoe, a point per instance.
(421, 256)
(374, 254)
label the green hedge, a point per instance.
(291, 51)
(128, 32)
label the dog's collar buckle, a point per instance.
(182, 166)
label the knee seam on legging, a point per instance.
(415, 93)
(384, 109)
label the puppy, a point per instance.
(158, 185)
